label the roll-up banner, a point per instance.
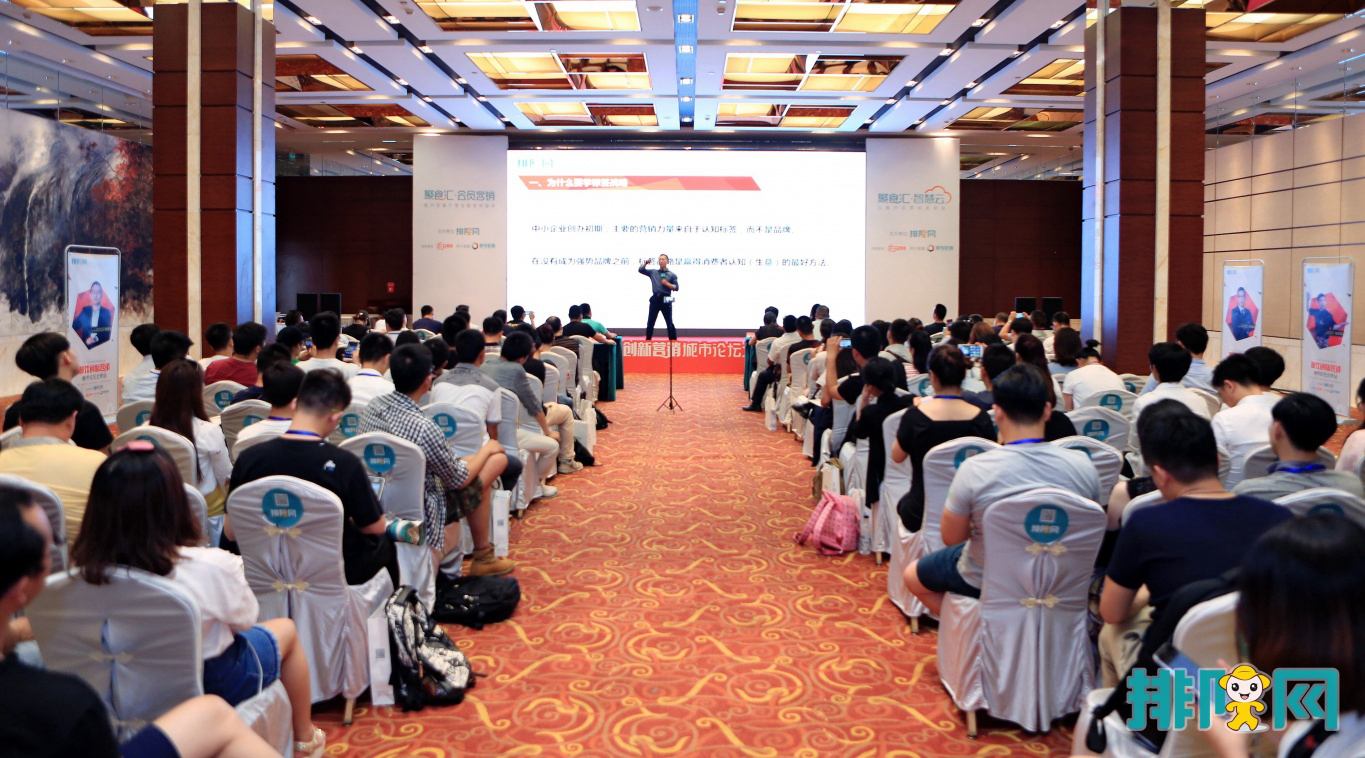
(92, 310)
(1327, 294)
(1242, 289)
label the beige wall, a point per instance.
(1282, 198)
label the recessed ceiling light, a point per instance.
(946, 102)
(504, 118)
(314, 20)
(1059, 23)
(684, 49)
(890, 101)
(426, 98)
(686, 80)
(946, 51)
(388, 140)
(425, 48)
(401, 82)
(980, 22)
(686, 99)
(460, 80)
(868, 121)
(392, 19)
(685, 18)
(356, 49)
(483, 99)
(971, 84)
(687, 119)
(912, 82)
(1016, 53)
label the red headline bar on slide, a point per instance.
(674, 183)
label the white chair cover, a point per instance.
(349, 424)
(1257, 463)
(1138, 503)
(572, 379)
(585, 348)
(1108, 462)
(760, 363)
(550, 391)
(940, 468)
(1107, 426)
(10, 436)
(133, 414)
(403, 468)
(1214, 403)
(1324, 500)
(1022, 651)
(507, 437)
(136, 642)
(239, 416)
(56, 515)
(199, 508)
(218, 396)
(901, 544)
(246, 444)
(464, 428)
(1118, 401)
(1133, 382)
(180, 449)
(920, 386)
(289, 531)
(561, 364)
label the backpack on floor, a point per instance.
(473, 601)
(833, 524)
(602, 421)
(581, 454)
(427, 667)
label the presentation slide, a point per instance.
(743, 230)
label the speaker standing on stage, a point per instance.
(665, 283)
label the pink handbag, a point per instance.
(834, 524)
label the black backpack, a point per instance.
(473, 601)
(428, 669)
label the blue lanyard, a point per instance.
(1028, 441)
(1307, 468)
(303, 433)
(946, 397)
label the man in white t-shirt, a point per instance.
(1245, 424)
(1169, 362)
(1194, 338)
(217, 344)
(1025, 462)
(280, 387)
(370, 382)
(466, 385)
(325, 329)
(1089, 379)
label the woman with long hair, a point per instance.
(1066, 343)
(138, 517)
(179, 407)
(921, 344)
(1029, 349)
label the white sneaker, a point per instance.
(569, 466)
(546, 492)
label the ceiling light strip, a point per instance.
(685, 39)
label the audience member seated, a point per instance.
(180, 408)
(1169, 362)
(1351, 452)
(959, 333)
(1301, 423)
(1194, 338)
(359, 326)
(492, 333)
(426, 321)
(769, 328)
(1016, 328)
(217, 344)
(139, 517)
(1299, 607)
(49, 356)
(167, 345)
(466, 385)
(939, 323)
(556, 426)
(1029, 349)
(518, 315)
(138, 383)
(1244, 425)
(269, 356)
(456, 488)
(579, 328)
(995, 359)
(369, 382)
(280, 388)
(980, 333)
(1269, 366)
(921, 345)
(453, 325)
(1025, 462)
(1060, 320)
(440, 356)
(898, 345)
(769, 373)
(805, 332)
(395, 321)
(879, 402)
(247, 341)
(1039, 320)
(931, 421)
(1091, 378)
(1199, 532)
(325, 329)
(48, 414)
(58, 715)
(304, 453)
(545, 340)
(1066, 344)
(296, 342)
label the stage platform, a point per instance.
(691, 355)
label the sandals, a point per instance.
(312, 748)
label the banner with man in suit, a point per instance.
(92, 296)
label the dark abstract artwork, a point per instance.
(62, 185)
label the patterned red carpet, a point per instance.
(666, 611)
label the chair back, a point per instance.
(10, 436)
(939, 467)
(584, 355)
(1034, 604)
(133, 414)
(1211, 399)
(920, 386)
(56, 515)
(1138, 503)
(1119, 401)
(572, 357)
(199, 509)
(1324, 500)
(1133, 383)
(550, 392)
(895, 476)
(349, 424)
(843, 416)
(1108, 462)
(135, 641)
(507, 430)
(180, 449)
(400, 464)
(761, 352)
(1206, 634)
(218, 396)
(246, 443)
(462, 427)
(800, 376)
(1110, 427)
(561, 365)
(239, 416)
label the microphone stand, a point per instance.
(671, 402)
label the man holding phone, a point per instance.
(663, 284)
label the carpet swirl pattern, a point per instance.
(666, 611)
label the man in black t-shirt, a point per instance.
(304, 453)
(576, 327)
(48, 356)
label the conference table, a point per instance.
(614, 362)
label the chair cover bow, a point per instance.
(1036, 549)
(282, 586)
(1033, 602)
